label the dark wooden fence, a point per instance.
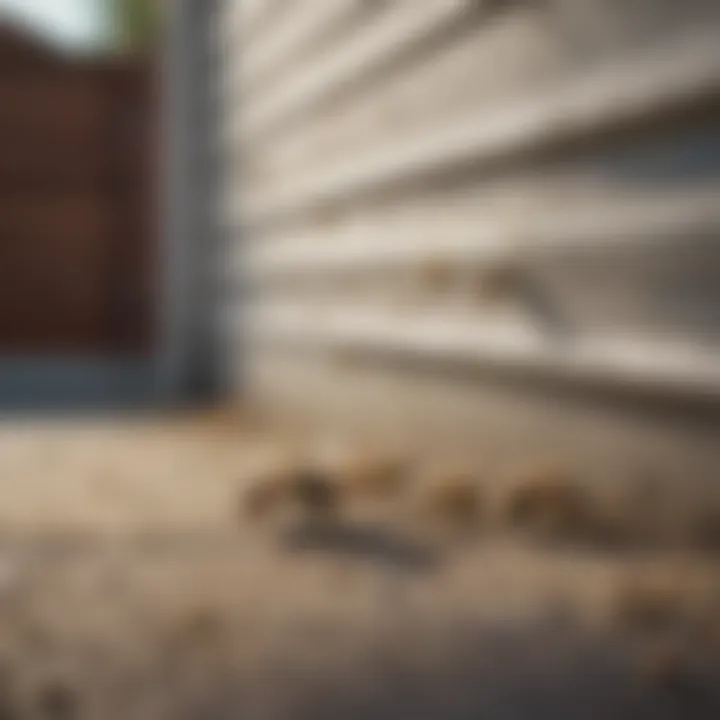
(77, 228)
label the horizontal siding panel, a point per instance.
(300, 34)
(660, 82)
(623, 363)
(384, 41)
(485, 61)
(246, 20)
(365, 248)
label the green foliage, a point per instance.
(135, 24)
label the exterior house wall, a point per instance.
(486, 229)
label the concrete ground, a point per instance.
(131, 587)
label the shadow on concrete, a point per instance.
(371, 542)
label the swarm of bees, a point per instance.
(334, 484)
(544, 501)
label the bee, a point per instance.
(313, 492)
(452, 499)
(546, 501)
(436, 273)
